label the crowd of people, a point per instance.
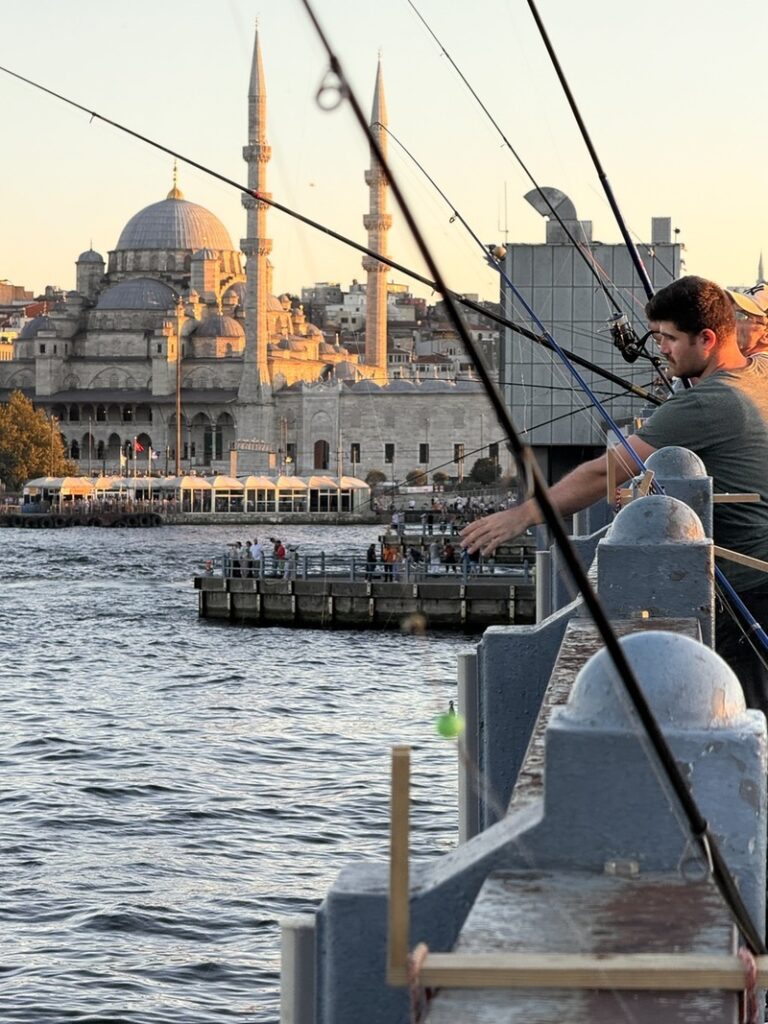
(254, 558)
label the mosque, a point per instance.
(174, 323)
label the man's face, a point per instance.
(685, 353)
(750, 333)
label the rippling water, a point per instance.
(172, 787)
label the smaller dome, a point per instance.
(237, 291)
(274, 305)
(433, 384)
(90, 256)
(219, 326)
(291, 345)
(366, 385)
(205, 254)
(345, 370)
(33, 328)
(399, 384)
(326, 349)
(138, 293)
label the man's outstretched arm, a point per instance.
(578, 490)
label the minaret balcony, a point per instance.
(377, 221)
(258, 151)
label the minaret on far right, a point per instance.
(377, 223)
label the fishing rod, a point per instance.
(624, 336)
(635, 256)
(531, 472)
(493, 259)
(324, 229)
(542, 194)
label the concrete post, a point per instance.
(656, 561)
(297, 969)
(682, 475)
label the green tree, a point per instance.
(374, 477)
(485, 471)
(416, 478)
(30, 443)
(439, 478)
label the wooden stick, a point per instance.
(398, 936)
(645, 484)
(734, 556)
(749, 497)
(668, 971)
(610, 464)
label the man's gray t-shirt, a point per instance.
(724, 420)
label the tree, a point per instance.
(374, 477)
(440, 479)
(485, 471)
(416, 478)
(30, 443)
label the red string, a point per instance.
(750, 986)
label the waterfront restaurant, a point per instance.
(50, 492)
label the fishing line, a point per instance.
(542, 194)
(698, 825)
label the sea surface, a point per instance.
(170, 787)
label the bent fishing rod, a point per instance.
(530, 471)
(628, 386)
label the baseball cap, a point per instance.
(747, 303)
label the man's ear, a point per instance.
(708, 339)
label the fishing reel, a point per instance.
(625, 338)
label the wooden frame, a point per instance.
(539, 970)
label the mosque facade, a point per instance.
(177, 319)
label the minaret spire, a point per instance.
(377, 223)
(760, 274)
(256, 245)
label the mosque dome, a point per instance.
(345, 370)
(433, 384)
(139, 293)
(292, 345)
(33, 328)
(205, 254)
(174, 223)
(274, 305)
(238, 291)
(219, 326)
(366, 385)
(90, 256)
(400, 384)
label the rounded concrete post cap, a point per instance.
(655, 519)
(675, 463)
(686, 684)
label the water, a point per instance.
(172, 787)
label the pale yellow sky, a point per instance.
(672, 95)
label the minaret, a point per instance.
(760, 274)
(256, 245)
(377, 223)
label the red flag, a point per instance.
(138, 446)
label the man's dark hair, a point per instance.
(693, 304)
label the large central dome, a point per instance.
(175, 224)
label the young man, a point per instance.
(724, 420)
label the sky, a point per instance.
(671, 93)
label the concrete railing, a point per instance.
(559, 782)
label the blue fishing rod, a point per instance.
(337, 83)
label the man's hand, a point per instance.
(486, 534)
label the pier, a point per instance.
(321, 593)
